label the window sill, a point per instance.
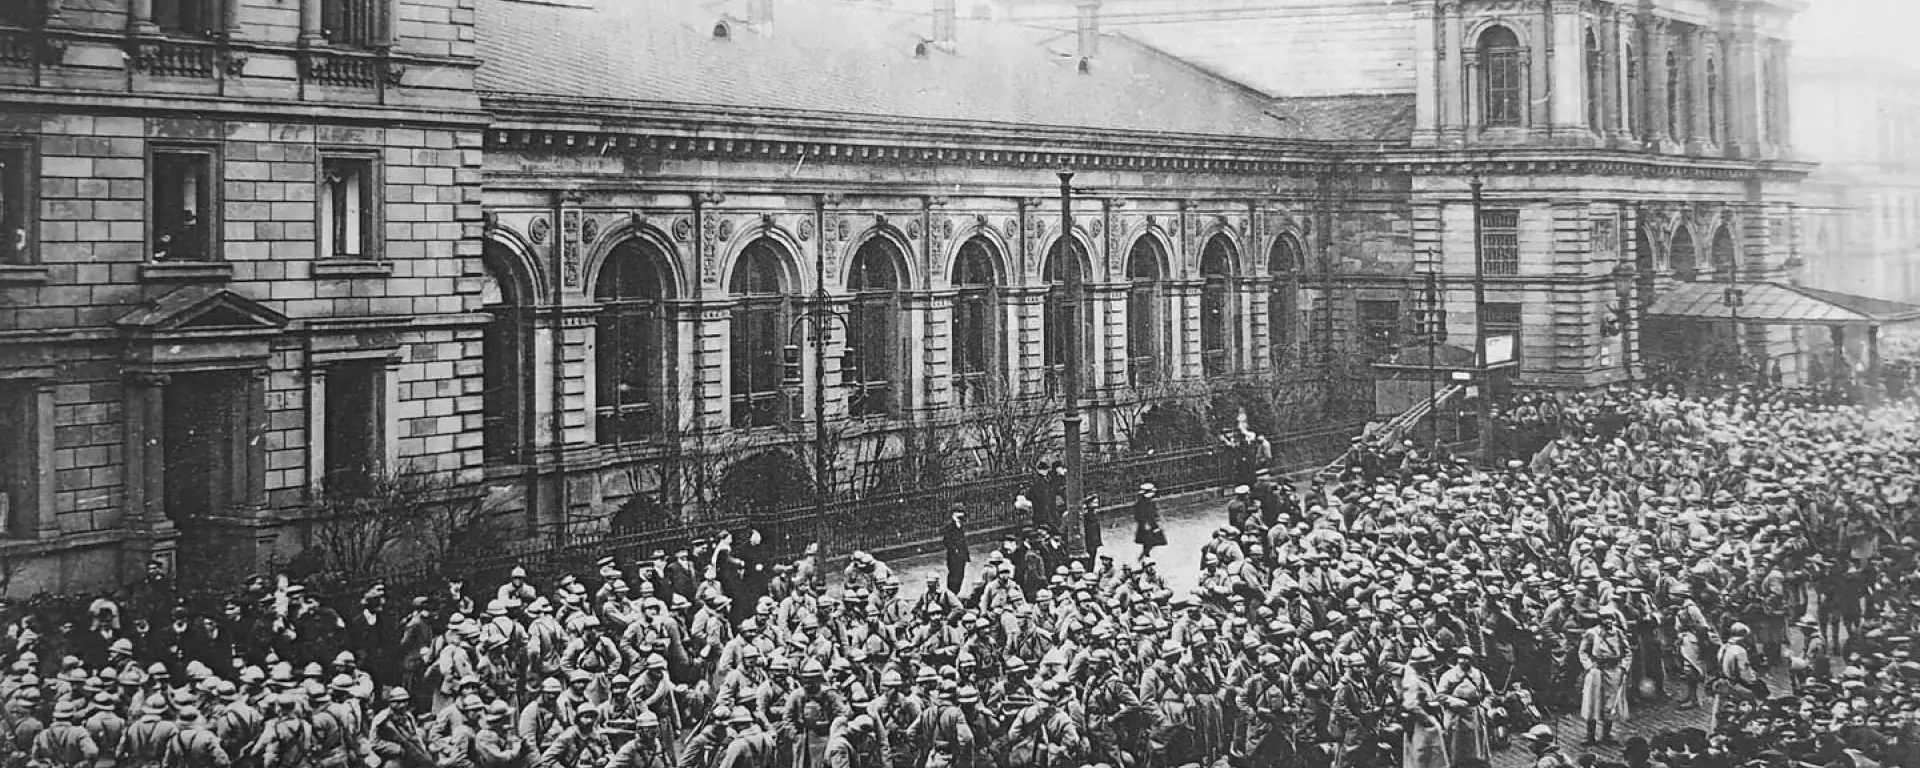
(22, 274)
(186, 271)
(352, 268)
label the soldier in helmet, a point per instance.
(145, 740)
(541, 720)
(65, 744)
(194, 745)
(811, 711)
(645, 749)
(1043, 735)
(856, 745)
(395, 734)
(894, 713)
(581, 744)
(748, 746)
(497, 744)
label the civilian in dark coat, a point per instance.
(1090, 528)
(954, 536)
(1041, 491)
(1146, 521)
(209, 643)
(681, 578)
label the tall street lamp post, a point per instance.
(1070, 414)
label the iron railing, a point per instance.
(892, 523)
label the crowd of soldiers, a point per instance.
(1414, 609)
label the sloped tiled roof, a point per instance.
(826, 56)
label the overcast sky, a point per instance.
(1880, 28)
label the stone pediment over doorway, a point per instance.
(197, 307)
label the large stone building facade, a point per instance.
(555, 249)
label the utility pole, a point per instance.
(1070, 416)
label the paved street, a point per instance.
(1189, 520)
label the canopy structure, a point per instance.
(1777, 304)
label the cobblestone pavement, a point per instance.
(1189, 521)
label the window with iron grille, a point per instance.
(631, 344)
(184, 199)
(1502, 78)
(16, 204)
(976, 322)
(354, 23)
(1379, 328)
(1501, 319)
(760, 320)
(1500, 240)
(354, 398)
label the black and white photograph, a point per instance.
(959, 384)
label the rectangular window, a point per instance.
(1500, 240)
(356, 23)
(1501, 319)
(352, 423)
(1503, 85)
(347, 202)
(184, 193)
(185, 17)
(1379, 329)
(19, 458)
(16, 204)
(203, 434)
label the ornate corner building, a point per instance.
(547, 246)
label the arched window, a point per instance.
(631, 354)
(1061, 315)
(1630, 102)
(1501, 73)
(1713, 100)
(1216, 305)
(873, 328)
(1283, 307)
(504, 357)
(976, 322)
(1145, 322)
(1723, 257)
(1596, 85)
(761, 316)
(1678, 126)
(1680, 256)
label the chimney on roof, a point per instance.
(1089, 27)
(944, 12)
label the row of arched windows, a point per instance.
(1503, 99)
(635, 347)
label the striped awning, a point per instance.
(1777, 304)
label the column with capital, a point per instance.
(1455, 80)
(1427, 53)
(145, 481)
(1742, 81)
(1781, 53)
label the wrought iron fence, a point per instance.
(890, 523)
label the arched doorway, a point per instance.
(1722, 255)
(1284, 262)
(762, 312)
(873, 328)
(977, 367)
(632, 349)
(505, 295)
(1146, 326)
(1217, 326)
